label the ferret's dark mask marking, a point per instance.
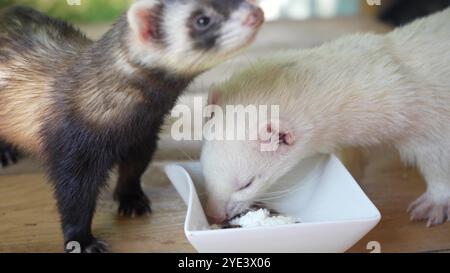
(226, 7)
(204, 39)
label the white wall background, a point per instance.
(304, 9)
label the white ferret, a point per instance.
(361, 90)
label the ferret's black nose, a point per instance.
(255, 18)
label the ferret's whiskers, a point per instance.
(247, 59)
(273, 195)
(276, 192)
(272, 198)
(186, 154)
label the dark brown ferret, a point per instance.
(84, 106)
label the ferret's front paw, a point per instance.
(96, 247)
(136, 204)
(427, 208)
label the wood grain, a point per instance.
(392, 187)
(29, 220)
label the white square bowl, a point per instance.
(333, 210)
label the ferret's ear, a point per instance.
(214, 96)
(144, 19)
(286, 138)
(276, 134)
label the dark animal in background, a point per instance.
(401, 12)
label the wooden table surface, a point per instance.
(29, 220)
(392, 187)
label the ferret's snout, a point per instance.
(215, 213)
(216, 220)
(255, 17)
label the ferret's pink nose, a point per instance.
(255, 18)
(214, 220)
(215, 214)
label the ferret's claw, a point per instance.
(426, 208)
(96, 247)
(134, 206)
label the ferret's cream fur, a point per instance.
(361, 90)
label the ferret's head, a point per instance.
(239, 173)
(190, 36)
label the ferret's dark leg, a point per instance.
(132, 199)
(8, 154)
(78, 180)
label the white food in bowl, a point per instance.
(261, 217)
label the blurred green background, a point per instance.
(89, 11)
(105, 11)
(102, 11)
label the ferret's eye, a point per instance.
(248, 184)
(203, 22)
